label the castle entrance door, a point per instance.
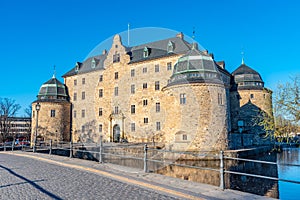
(116, 133)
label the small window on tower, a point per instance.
(52, 114)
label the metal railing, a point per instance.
(100, 151)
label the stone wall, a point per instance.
(56, 128)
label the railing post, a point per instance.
(50, 150)
(100, 150)
(71, 149)
(12, 145)
(145, 158)
(222, 183)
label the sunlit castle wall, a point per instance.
(201, 91)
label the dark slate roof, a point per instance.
(86, 66)
(247, 78)
(53, 89)
(196, 66)
(158, 49)
(244, 69)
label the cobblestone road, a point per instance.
(25, 178)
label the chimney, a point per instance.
(104, 52)
(180, 35)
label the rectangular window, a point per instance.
(157, 107)
(75, 82)
(100, 112)
(116, 91)
(75, 96)
(83, 95)
(83, 113)
(145, 102)
(100, 78)
(251, 96)
(158, 126)
(116, 58)
(100, 92)
(146, 120)
(156, 85)
(132, 73)
(145, 70)
(169, 66)
(183, 98)
(220, 99)
(184, 137)
(52, 114)
(132, 89)
(82, 129)
(132, 127)
(83, 81)
(132, 109)
(116, 75)
(116, 110)
(100, 128)
(157, 68)
(75, 113)
(144, 85)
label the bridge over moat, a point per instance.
(38, 176)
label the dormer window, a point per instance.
(77, 67)
(93, 63)
(146, 52)
(170, 47)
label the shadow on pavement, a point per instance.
(31, 183)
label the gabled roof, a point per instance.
(86, 66)
(158, 49)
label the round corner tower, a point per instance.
(52, 120)
(200, 91)
(249, 98)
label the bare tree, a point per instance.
(286, 111)
(8, 109)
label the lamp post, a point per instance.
(37, 108)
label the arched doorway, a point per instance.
(116, 133)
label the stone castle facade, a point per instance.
(168, 92)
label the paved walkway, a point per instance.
(25, 175)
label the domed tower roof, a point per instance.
(247, 78)
(52, 89)
(195, 67)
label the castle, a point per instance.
(168, 92)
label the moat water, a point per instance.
(287, 190)
(260, 186)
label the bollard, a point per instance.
(222, 184)
(50, 150)
(100, 150)
(145, 158)
(71, 149)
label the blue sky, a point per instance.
(36, 35)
